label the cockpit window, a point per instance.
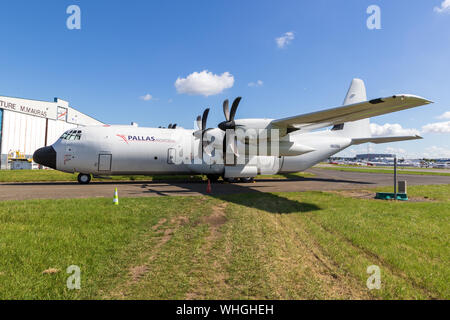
(71, 135)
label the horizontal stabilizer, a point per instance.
(385, 139)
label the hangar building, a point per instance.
(26, 125)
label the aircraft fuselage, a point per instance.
(130, 150)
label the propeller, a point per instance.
(229, 115)
(201, 124)
(230, 124)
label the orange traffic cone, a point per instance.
(208, 187)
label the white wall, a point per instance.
(22, 132)
(24, 123)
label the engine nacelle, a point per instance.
(288, 148)
(274, 148)
(240, 171)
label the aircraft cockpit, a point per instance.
(71, 135)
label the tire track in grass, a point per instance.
(376, 259)
(215, 275)
(320, 265)
(136, 272)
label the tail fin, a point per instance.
(355, 129)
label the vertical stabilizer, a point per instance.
(356, 93)
(355, 129)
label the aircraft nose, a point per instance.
(45, 156)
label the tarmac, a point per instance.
(322, 181)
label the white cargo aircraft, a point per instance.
(294, 143)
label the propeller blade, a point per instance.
(234, 108)
(229, 144)
(174, 126)
(234, 147)
(199, 123)
(226, 110)
(200, 148)
(205, 118)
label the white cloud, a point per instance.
(285, 39)
(445, 115)
(391, 130)
(436, 152)
(396, 151)
(437, 127)
(204, 83)
(445, 7)
(147, 97)
(258, 83)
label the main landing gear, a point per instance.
(84, 178)
(234, 180)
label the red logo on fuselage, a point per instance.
(123, 137)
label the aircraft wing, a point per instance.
(384, 139)
(352, 112)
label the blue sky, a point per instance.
(127, 50)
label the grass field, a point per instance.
(311, 245)
(385, 170)
(53, 175)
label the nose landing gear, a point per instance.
(84, 178)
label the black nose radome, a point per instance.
(45, 156)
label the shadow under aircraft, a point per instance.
(239, 194)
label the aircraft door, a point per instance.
(104, 162)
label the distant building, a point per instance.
(373, 156)
(26, 125)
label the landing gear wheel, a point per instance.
(247, 180)
(84, 178)
(230, 180)
(213, 177)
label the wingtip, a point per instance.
(424, 100)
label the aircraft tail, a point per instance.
(360, 128)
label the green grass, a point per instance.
(53, 175)
(311, 245)
(391, 171)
